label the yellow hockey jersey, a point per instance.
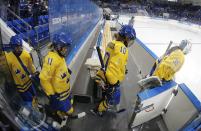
(115, 61)
(21, 78)
(54, 76)
(169, 65)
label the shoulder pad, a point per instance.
(111, 45)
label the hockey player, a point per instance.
(55, 76)
(166, 67)
(21, 78)
(115, 61)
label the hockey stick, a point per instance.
(121, 110)
(50, 111)
(166, 51)
(77, 116)
(58, 122)
(100, 58)
(114, 111)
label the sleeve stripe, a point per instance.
(49, 61)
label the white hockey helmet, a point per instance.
(185, 46)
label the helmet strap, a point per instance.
(121, 38)
(125, 43)
(17, 53)
(128, 42)
(17, 50)
(60, 51)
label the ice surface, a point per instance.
(157, 33)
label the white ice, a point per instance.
(157, 33)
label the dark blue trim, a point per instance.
(199, 127)
(148, 93)
(147, 49)
(195, 125)
(191, 96)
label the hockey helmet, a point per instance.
(185, 46)
(62, 40)
(15, 41)
(127, 31)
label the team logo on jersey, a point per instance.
(63, 75)
(49, 61)
(67, 80)
(23, 76)
(17, 71)
(176, 62)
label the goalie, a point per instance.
(167, 65)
